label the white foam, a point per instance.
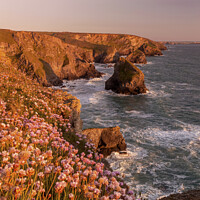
(122, 161)
(176, 138)
(93, 81)
(139, 114)
(157, 92)
(105, 123)
(150, 63)
(93, 100)
(186, 139)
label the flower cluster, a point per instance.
(37, 161)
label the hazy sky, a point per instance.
(154, 19)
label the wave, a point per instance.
(153, 154)
(140, 114)
(93, 100)
(157, 93)
(163, 153)
(93, 81)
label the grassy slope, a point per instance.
(40, 156)
(33, 98)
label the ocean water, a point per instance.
(161, 128)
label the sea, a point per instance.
(161, 128)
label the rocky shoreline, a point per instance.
(113, 141)
(51, 57)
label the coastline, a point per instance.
(10, 54)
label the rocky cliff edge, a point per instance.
(52, 57)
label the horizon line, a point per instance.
(77, 32)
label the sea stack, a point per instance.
(127, 79)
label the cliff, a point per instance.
(106, 47)
(52, 57)
(46, 58)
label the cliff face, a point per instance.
(47, 58)
(52, 57)
(106, 47)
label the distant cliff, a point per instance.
(107, 47)
(52, 57)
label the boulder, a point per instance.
(137, 57)
(106, 140)
(127, 79)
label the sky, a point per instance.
(161, 20)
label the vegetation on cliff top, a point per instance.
(40, 156)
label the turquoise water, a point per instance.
(161, 128)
